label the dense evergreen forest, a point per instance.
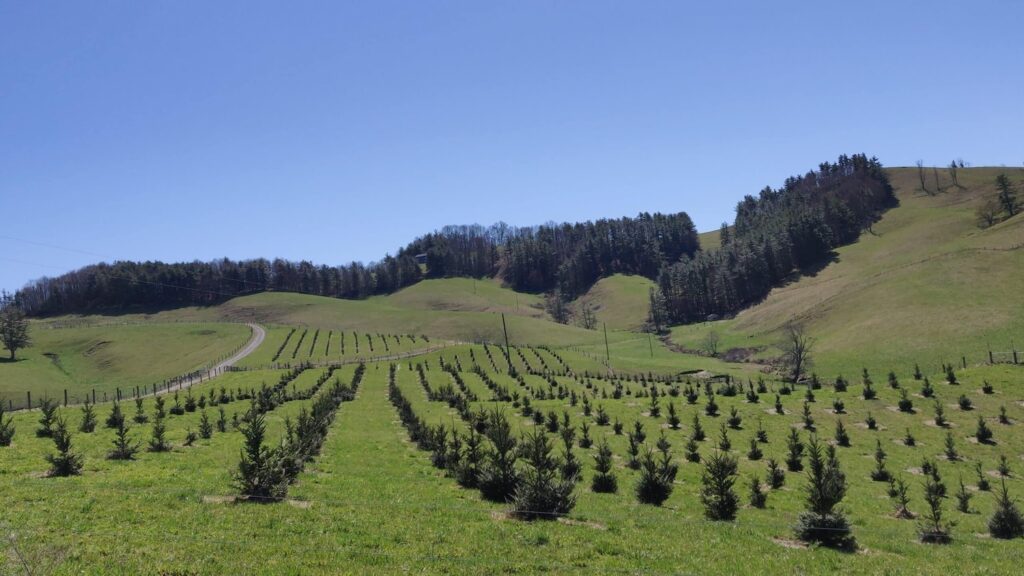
(791, 228)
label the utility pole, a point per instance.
(508, 357)
(607, 350)
(650, 343)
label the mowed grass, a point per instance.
(106, 357)
(466, 295)
(373, 504)
(926, 285)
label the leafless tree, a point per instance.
(920, 175)
(587, 316)
(711, 341)
(796, 351)
(988, 212)
(953, 173)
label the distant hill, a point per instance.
(925, 284)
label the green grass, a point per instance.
(372, 503)
(620, 301)
(106, 357)
(926, 285)
(466, 295)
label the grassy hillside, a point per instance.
(924, 285)
(466, 295)
(620, 301)
(106, 357)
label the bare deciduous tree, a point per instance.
(711, 341)
(796, 351)
(920, 175)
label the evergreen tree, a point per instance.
(842, 437)
(963, 498)
(983, 483)
(47, 417)
(905, 403)
(758, 497)
(88, 423)
(205, 426)
(880, 473)
(932, 529)
(604, 480)
(692, 450)
(1007, 521)
(673, 418)
(158, 441)
(116, 417)
(260, 475)
(1007, 196)
(222, 421)
(6, 428)
(899, 493)
(716, 493)
(755, 452)
(140, 413)
(468, 471)
(498, 476)
(124, 448)
(823, 522)
(734, 418)
(656, 476)
(794, 461)
(776, 475)
(65, 462)
(541, 493)
(697, 431)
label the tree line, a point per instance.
(793, 227)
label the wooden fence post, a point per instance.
(29, 394)
(65, 397)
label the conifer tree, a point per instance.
(222, 421)
(205, 426)
(983, 483)
(260, 475)
(468, 470)
(47, 417)
(940, 415)
(673, 417)
(716, 493)
(951, 453)
(697, 431)
(88, 423)
(633, 450)
(124, 448)
(932, 529)
(807, 418)
(6, 428)
(822, 522)
(842, 437)
(692, 450)
(158, 441)
(755, 452)
(115, 418)
(776, 475)
(140, 413)
(656, 475)
(880, 473)
(1007, 521)
(908, 439)
(900, 495)
(758, 497)
(498, 476)
(794, 461)
(65, 462)
(871, 423)
(963, 498)
(540, 492)
(570, 465)
(604, 480)
(927, 390)
(905, 404)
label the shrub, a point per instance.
(1006, 522)
(65, 462)
(540, 493)
(124, 448)
(604, 480)
(822, 522)
(927, 391)
(656, 476)
(905, 404)
(48, 414)
(88, 423)
(871, 423)
(965, 402)
(716, 493)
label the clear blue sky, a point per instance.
(337, 131)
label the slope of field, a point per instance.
(620, 301)
(104, 357)
(466, 295)
(924, 285)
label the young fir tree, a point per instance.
(1004, 466)
(47, 417)
(761, 434)
(541, 492)
(716, 493)
(6, 428)
(638, 432)
(697, 431)
(585, 440)
(124, 448)
(983, 433)
(778, 405)
(893, 380)
(950, 451)
(963, 498)
(940, 415)
(735, 420)
(908, 439)
(776, 475)
(65, 462)
(1003, 417)
(755, 452)
(205, 426)
(499, 477)
(158, 440)
(807, 418)
(88, 423)
(900, 494)
(468, 471)
(260, 476)
(965, 403)
(933, 529)
(794, 460)
(222, 420)
(870, 422)
(1007, 521)
(880, 473)
(140, 412)
(633, 450)
(711, 408)
(692, 450)
(927, 390)
(570, 466)
(905, 404)
(604, 480)
(158, 407)
(758, 497)
(656, 475)
(116, 417)
(983, 484)
(673, 417)
(823, 522)
(724, 444)
(842, 436)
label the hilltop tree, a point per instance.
(13, 325)
(920, 175)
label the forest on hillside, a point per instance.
(779, 231)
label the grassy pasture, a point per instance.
(104, 357)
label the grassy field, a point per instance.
(105, 357)
(620, 301)
(926, 285)
(372, 503)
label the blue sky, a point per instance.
(338, 131)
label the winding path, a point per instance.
(258, 335)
